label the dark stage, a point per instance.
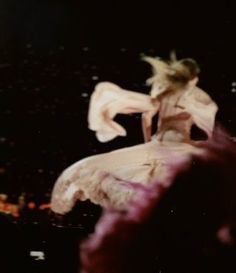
(52, 53)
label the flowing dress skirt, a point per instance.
(104, 178)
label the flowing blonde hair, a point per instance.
(171, 75)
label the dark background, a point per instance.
(52, 53)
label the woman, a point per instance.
(104, 179)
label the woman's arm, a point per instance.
(147, 122)
(146, 128)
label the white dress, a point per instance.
(104, 179)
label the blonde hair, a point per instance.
(171, 75)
